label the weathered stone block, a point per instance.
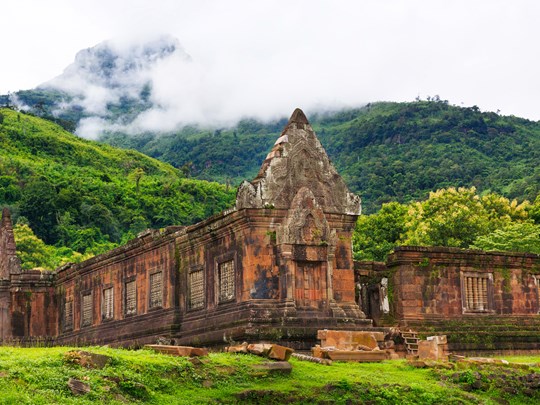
(87, 359)
(280, 353)
(182, 351)
(355, 355)
(78, 387)
(439, 340)
(260, 349)
(243, 348)
(349, 340)
(275, 367)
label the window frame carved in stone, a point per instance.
(130, 300)
(153, 291)
(107, 303)
(477, 292)
(196, 291)
(87, 309)
(225, 278)
(68, 315)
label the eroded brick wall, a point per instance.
(429, 282)
(151, 256)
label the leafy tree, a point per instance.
(534, 210)
(137, 175)
(515, 237)
(35, 254)
(501, 211)
(449, 217)
(38, 204)
(377, 234)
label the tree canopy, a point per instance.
(450, 217)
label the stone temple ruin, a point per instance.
(276, 267)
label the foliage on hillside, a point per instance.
(40, 376)
(450, 217)
(88, 196)
(385, 151)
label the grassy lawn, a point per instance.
(40, 376)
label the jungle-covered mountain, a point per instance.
(70, 192)
(385, 151)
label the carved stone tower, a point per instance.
(313, 242)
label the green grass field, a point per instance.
(40, 376)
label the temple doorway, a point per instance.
(310, 285)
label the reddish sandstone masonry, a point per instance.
(277, 266)
(428, 281)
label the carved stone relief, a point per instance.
(298, 160)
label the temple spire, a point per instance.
(298, 117)
(298, 160)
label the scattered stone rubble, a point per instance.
(268, 350)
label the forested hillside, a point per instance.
(385, 151)
(69, 192)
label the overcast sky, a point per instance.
(268, 57)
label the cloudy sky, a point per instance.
(264, 58)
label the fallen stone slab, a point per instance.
(280, 353)
(180, 351)
(198, 352)
(349, 340)
(260, 349)
(243, 348)
(78, 387)
(360, 356)
(275, 367)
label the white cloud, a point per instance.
(264, 58)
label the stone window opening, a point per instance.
(226, 281)
(156, 290)
(108, 303)
(196, 288)
(130, 298)
(87, 312)
(477, 292)
(68, 315)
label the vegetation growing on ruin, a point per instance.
(40, 375)
(73, 198)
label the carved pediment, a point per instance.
(306, 223)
